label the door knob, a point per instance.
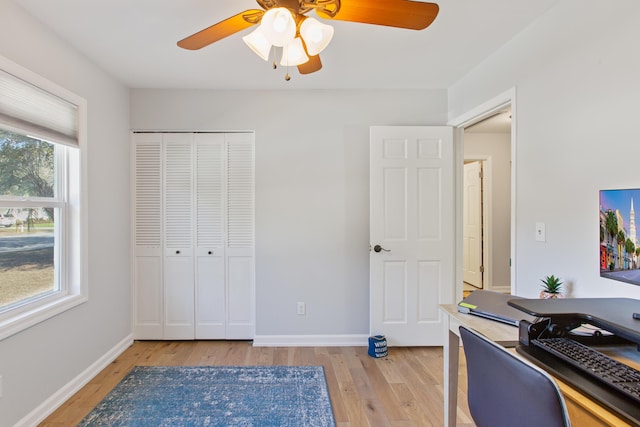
(378, 248)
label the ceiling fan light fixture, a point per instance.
(281, 21)
(278, 26)
(316, 35)
(293, 54)
(258, 43)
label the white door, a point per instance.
(194, 228)
(411, 231)
(148, 296)
(240, 236)
(472, 224)
(179, 294)
(224, 218)
(210, 219)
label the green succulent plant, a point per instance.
(552, 284)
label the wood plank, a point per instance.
(384, 392)
(402, 390)
(339, 410)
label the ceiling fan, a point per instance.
(283, 23)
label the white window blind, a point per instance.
(41, 114)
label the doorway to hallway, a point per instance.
(487, 203)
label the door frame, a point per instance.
(472, 116)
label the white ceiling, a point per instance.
(135, 40)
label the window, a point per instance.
(41, 272)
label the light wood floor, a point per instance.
(404, 389)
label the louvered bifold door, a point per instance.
(210, 188)
(147, 246)
(179, 290)
(240, 235)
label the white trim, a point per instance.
(458, 159)
(54, 401)
(485, 109)
(32, 313)
(311, 341)
(70, 236)
(472, 116)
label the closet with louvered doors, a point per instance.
(193, 201)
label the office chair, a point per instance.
(505, 391)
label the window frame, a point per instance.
(71, 224)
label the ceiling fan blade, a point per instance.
(222, 29)
(311, 66)
(408, 14)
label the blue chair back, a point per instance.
(506, 391)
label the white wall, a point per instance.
(576, 71)
(312, 190)
(496, 147)
(37, 362)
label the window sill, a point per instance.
(13, 322)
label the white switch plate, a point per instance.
(301, 308)
(541, 234)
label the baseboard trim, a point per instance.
(57, 399)
(310, 340)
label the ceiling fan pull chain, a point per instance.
(274, 49)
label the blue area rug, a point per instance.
(283, 396)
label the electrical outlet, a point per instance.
(301, 309)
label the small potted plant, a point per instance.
(551, 287)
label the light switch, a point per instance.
(541, 235)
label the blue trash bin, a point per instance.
(378, 346)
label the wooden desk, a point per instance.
(583, 411)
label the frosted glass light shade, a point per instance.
(316, 35)
(293, 53)
(278, 26)
(258, 43)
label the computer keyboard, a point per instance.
(621, 377)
